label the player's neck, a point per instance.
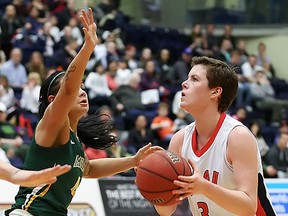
(205, 126)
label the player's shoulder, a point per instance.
(241, 135)
(177, 141)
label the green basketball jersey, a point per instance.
(53, 199)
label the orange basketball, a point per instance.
(156, 173)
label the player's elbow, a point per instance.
(251, 211)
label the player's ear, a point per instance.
(216, 91)
(51, 98)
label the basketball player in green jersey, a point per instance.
(31, 178)
(64, 124)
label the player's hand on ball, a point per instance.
(145, 151)
(190, 185)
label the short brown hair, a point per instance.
(220, 74)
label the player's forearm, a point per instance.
(165, 210)
(7, 171)
(237, 202)
(76, 69)
(110, 166)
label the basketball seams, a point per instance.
(147, 170)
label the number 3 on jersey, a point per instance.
(203, 208)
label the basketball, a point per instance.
(156, 173)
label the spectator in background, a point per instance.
(63, 56)
(2, 56)
(250, 68)
(243, 85)
(130, 56)
(163, 125)
(268, 170)
(97, 86)
(149, 77)
(277, 156)
(126, 102)
(145, 56)
(176, 107)
(180, 121)
(228, 34)
(180, 70)
(99, 54)
(66, 36)
(54, 30)
(46, 41)
(14, 70)
(224, 53)
(115, 37)
(196, 37)
(241, 115)
(241, 48)
(211, 38)
(139, 135)
(117, 151)
(283, 128)
(63, 10)
(165, 64)
(30, 95)
(7, 95)
(123, 73)
(36, 64)
(111, 74)
(32, 23)
(10, 25)
(112, 54)
(94, 153)
(264, 60)
(255, 128)
(75, 30)
(263, 96)
(11, 141)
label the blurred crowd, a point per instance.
(134, 76)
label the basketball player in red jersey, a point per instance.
(223, 153)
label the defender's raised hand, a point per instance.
(89, 28)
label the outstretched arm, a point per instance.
(55, 118)
(74, 75)
(98, 168)
(31, 178)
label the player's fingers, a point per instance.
(146, 147)
(90, 15)
(183, 181)
(83, 18)
(182, 197)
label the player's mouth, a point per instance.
(84, 102)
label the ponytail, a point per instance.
(95, 131)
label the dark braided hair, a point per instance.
(94, 131)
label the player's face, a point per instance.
(82, 104)
(195, 91)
